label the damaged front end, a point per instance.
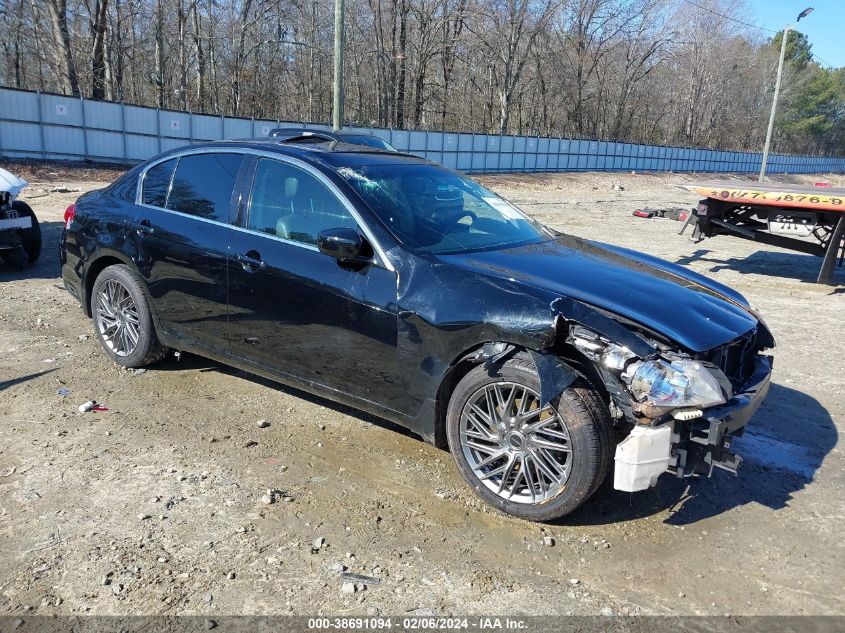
(682, 409)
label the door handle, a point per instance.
(145, 227)
(249, 263)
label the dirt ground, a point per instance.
(155, 506)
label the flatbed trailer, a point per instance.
(807, 219)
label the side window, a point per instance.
(203, 185)
(291, 203)
(157, 182)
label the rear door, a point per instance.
(297, 311)
(181, 229)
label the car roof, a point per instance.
(332, 154)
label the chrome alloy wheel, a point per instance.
(117, 318)
(517, 449)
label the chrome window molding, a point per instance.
(381, 255)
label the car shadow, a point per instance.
(47, 266)
(803, 268)
(781, 458)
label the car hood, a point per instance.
(668, 299)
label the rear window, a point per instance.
(203, 185)
(157, 182)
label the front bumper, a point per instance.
(690, 447)
(704, 443)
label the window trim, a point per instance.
(381, 255)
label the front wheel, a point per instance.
(122, 318)
(537, 463)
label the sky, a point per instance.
(825, 27)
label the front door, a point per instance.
(297, 311)
(181, 231)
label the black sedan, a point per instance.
(394, 285)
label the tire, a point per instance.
(30, 238)
(582, 418)
(119, 306)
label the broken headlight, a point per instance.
(661, 383)
(681, 383)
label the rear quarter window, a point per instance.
(203, 185)
(157, 182)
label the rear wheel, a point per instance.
(537, 463)
(31, 237)
(122, 318)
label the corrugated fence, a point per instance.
(40, 125)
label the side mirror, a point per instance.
(343, 244)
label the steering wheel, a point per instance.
(449, 224)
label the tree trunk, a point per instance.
(57, 11)
(98, 58)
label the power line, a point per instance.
(826, 63)
(727, 17)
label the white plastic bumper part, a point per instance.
(642, 457)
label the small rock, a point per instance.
(106, 581)
(348, 587)
(18, 623)
(318, 543)
(269, 497)
(607, 611)
(144, 517)
(263, 424)
(338, 568)
(210, 624)
(574, 581)
(548, 541)
(682, 595)
(139, 371)
(208, 598)
(231, 575)
(162, 559)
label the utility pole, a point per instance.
(762, 176)
(339, 41)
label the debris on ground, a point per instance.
(263, 424)
(359, 579)
(271, 496)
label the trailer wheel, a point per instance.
(31, 237)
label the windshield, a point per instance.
(434, 210)
(369, 141)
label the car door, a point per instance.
(181, 228)
(298, 311)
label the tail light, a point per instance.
(70, 213)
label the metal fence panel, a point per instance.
(35, 124)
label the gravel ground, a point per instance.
(159, 505)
